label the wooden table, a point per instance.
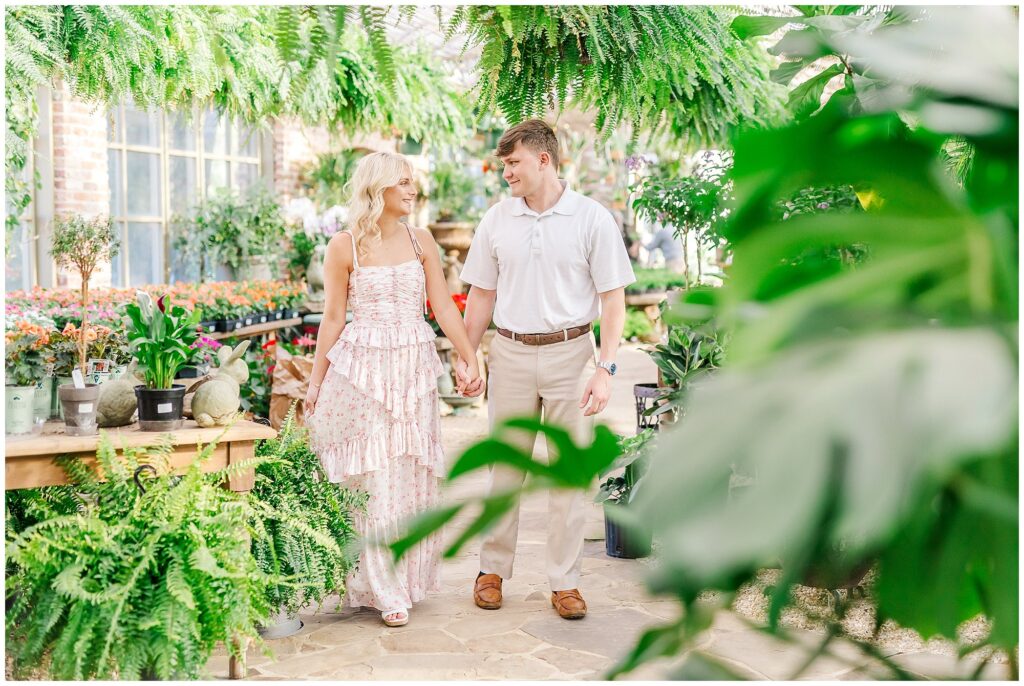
(256, 329)
(29, 460)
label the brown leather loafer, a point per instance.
(569, 604)
(487, 591)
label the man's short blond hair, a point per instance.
(534, 134)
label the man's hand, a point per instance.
(466, 386)
(597, 392)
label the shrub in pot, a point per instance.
(160, 338)
(624, 536)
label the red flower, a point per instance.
(160, 303)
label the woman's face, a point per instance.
(399, 199)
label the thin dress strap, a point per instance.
(415, 243)
(418, 249)
(355, 256)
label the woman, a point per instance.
(372, 402)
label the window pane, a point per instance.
(114, 176)
(143, 184)
(18, 268)
(182, 134)
(114, 125)
(116, 278)
(182, 179)
(145, 254)
(244, 175)
(183, 268)
(141, 128)
(216, 174)
(245, 141)
(215, 134)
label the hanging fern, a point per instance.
(658, 68)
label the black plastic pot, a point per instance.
(292, 314)
(229, 325)
(209, 326)
(624, 543)
(160, 409)
(248, 319)
(190, 372)
(277, 314)
(262, 317)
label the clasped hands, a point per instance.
(468, 381)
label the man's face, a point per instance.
(524, 170)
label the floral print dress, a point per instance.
(376, 428)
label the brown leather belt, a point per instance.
(546, 338)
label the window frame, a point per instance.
(119, 144)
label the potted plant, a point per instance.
(24, 362)
(160, 338)
(625, 538)
(82, 244)
(303, 513)
(203, 350)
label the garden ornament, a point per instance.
(217, 399)
(117, 402)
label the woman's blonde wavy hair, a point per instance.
(374, 174)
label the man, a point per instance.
(544, 262)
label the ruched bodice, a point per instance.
(388, 295)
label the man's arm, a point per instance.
(613, 320)
(479, 310)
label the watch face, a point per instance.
(612, 368)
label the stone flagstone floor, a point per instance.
(448, 637)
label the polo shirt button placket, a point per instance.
(535, 236)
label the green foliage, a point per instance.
(105, 582)
(255, 62)
(329, 176)
(656, 67)
(82, 243)
(688, 353)
(230, 228)
(255, 395)
(306, 520)
(618, 490)
(452, 191)
(160, 338)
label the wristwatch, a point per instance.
(609, 367)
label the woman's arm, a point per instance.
(337, 266)
(445, 311)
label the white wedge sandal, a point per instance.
(401, 617)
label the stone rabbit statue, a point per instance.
(217, 399)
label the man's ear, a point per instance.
(544, 156)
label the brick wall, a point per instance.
(80, 180)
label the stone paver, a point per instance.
(449, 638)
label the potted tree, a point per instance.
(82, 244)
(160, 340)
(623, 537)
(24, 362)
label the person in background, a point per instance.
(664, 239)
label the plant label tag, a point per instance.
(163, 408)
(76, 376)
(84, 408)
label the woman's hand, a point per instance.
(312, 394)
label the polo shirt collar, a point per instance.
(566, 204)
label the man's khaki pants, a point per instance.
(523, 380)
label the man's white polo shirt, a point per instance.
(548, 268)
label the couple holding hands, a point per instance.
(544, 263)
